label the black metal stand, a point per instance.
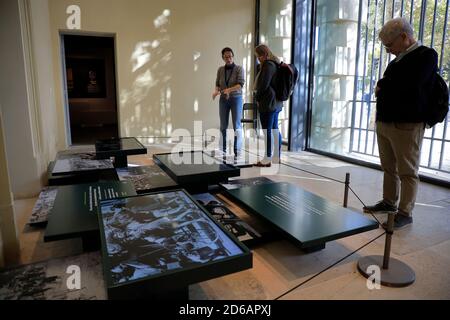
(91, 242)
(347, 185)
(313, 248)
(394, 273)
(120, 161)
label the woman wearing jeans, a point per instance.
(229, 82)
(268, 106)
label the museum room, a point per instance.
(253, 150)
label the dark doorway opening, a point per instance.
(91, 88)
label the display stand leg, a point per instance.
(120, 162)
(347, 184)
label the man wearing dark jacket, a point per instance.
(402, 99)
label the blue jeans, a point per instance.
(269, 122)
(233, 104)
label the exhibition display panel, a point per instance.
(120, 149)
(160, 243)
(308, 219)
(195, 170)
(146, 178)
(74, 213)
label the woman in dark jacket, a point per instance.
(268, 106)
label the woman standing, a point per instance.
(268, 106)
(229, 82)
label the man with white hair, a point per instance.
(402, 95)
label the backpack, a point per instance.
(438, 107)
(285, 81)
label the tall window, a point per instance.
(349, 65)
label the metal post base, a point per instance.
(398, 275)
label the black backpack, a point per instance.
(285, 80)
(438, 107)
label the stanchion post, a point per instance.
(394, 273)
(387, 243)
(347, 184)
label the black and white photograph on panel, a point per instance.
(66, 163)
(146, 178)
(207, 199)
(50, 280)
(241, 183)
(43, 206)
(151, 234)
(229, 220)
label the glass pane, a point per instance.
(446, 158)
(335, 68)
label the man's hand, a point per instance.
(377, 91)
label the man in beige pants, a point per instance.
(402, 99)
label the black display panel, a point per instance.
(118, 147)
(74, 213)
(66, 164)
(303, 216)
(163, 241)
(195, 167)
(146, 178)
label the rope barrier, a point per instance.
(329, 267)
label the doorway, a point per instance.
(90, 77)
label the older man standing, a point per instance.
(402, 98)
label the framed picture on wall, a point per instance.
(86, 78)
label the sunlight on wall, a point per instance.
(246, 40)
(141, 55)
(196, 57)
(142, 85)
(148, 75)
(196, 106)
(162, 19)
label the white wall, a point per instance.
(2, 259)
(168, 52)
(45, 84)
(21, 148)
(9, 242)
(27, 93)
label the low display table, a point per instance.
(156, 245)
(195, 170)
(120, 149)
(304, 217)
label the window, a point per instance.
(349, 61)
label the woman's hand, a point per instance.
(226, 92)
(215, 94)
